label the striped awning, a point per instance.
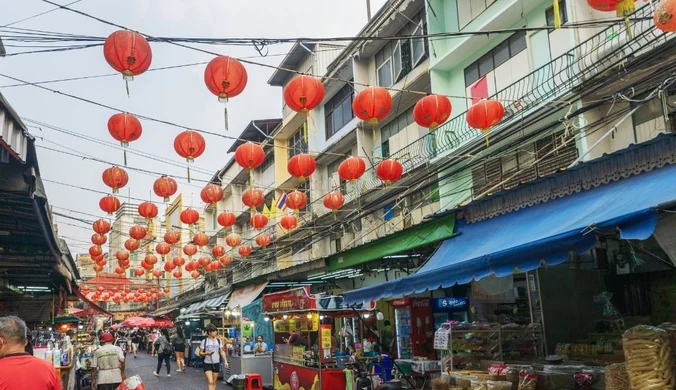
(209, 303)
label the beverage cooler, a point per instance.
(414, 327)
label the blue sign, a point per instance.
(450, 303)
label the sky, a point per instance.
(177, 95)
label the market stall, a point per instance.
(242, 329)
(307, 353)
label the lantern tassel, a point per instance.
(557, 14)
(305, 131)
(126, 84)
(335, 216)
(124, 152)
(627, 26)
(487, 142)
(188, 173)
(225, 114)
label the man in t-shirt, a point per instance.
(123, 343)
(18, 369)
(108, 363)
(136, 339)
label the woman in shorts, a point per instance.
(213, 353)
(178, 342)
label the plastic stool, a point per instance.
(253, 382)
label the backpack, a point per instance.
(203, 346)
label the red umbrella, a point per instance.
(138, 322)
(162, 323)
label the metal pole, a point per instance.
(368, 10)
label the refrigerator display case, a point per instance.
(414, 328)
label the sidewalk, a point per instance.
(144, 366)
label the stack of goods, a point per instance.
(649, 358)
(617, 377)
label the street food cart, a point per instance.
(242, 355)
(305, 346)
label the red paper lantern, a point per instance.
(165, 187)
(102, 262)
(147, 266)
(621, 7)
(214, 265)
(177, 274)
(109, 204)
(218, 250)
(200, 239)
(189, 216)
(138, 232)
(204, 261)
(334, 200)
(211, 193)
(139, 271)
(178, 261)
(303, 93)
(147, 210)
(172, 237)
(195, 274)
(127, 52)
(485, 114)
(150, 259)
(193, 265)
(169, 266)
(296, 200)
(166, 290)
(225, 260)
(258, 221)
(664, 15)
(115, 178)
(301, 166)
(124, 128)
(351, 169)
(372, 104)
(189, 249)
(225, 77)
(245, 250)
(122, 256)
(189, 145)
(432, 111)
(249, 155)
(157, 273)
(263, 240)
(289, 222)
(131, 244)
(99, 239)
(389, 171)
(101, 226)
(226, 219)
(95, 250)
(233, 240)
(253, 197)
(119, 271)
(163, 248)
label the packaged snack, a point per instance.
(617, 377)
(649, 359)
(583, 380)
(498, 385)
(527, 380)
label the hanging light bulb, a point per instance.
(309, 316)
(285, 316)
(321, 317)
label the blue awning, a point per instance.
(537, 235)
(213, 303)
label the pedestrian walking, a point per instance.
(107, 365)
(135, 341)
(18, 369)
(178, 341)
(164, 351)
(213, 353)
(123, 342)
(153, 342)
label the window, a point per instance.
(509, 48)
(397, 124)
(302, 245)
(425, 196)
(339, 110)
(304, 187)
(647, 111)
(333, 169)
(297, 143)
(398, 58)
(549, 14)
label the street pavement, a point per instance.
(144, 366)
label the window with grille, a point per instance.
(518, 168)
(297, 143)
(338, 110)
(563, 14)
(398, 58)
(333, 178)
(507, 49)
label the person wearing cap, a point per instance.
(108, 363)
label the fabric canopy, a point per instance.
(196, 307)
(537, 235)
(245, 295)
(414, 237)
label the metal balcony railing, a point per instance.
(558, 78)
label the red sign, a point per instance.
(293, 377)
(297, 299)
(401, 302)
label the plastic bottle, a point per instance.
(49, 355)
(56, 357)
(65, 358)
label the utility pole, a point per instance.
(368, 10)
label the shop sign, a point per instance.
(401, 302)
(297, 299)
(450, 303)
(247, 329)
